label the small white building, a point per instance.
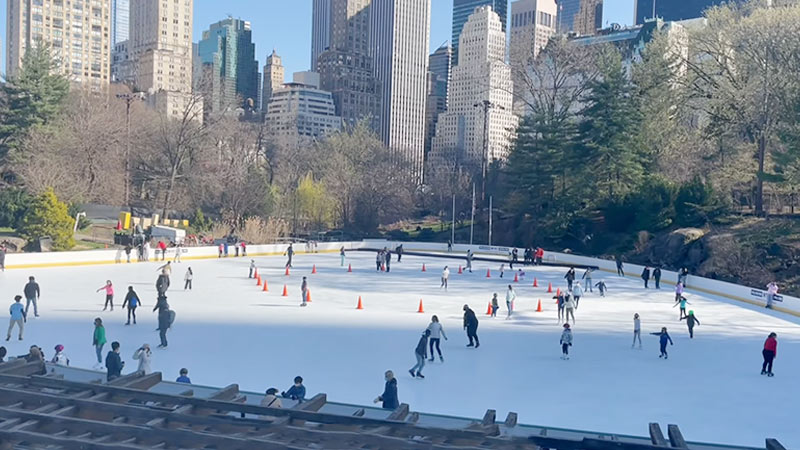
(302, 109)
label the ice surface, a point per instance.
(229, 331)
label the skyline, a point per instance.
(292, 38)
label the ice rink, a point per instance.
(229, 331)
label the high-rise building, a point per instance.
(229, 75)
(160, 45)
(301, 109)
(462, 9)
(670, 10)
(439, 65)
(582, 17)
(78, 34)
(320, 29)
(346, 68)
(120, 19)
(533, 23)
(274, 77)
(478, 125)
(400, 41)
(121, 64)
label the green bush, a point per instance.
(13, 204)
(697, 204)
(47, 216)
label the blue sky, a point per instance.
(286, 26)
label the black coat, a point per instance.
(32, 290)
(470, 321)
(113, 364)
(691, 320)
(162, 284)
(657, 273)
(389, 396)
(646, 274)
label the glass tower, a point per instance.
(120, 16)
(671, 10)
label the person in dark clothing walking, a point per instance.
(304, 292)
(691, 321)
(132, 302)
(32, 294)
(769, 353)
(399, 251)
(570, 277)
(389, 396)
(471, 325)
(657, 277)
(388, 259)
(114, 362)
(421, 352)
(646, 276)
(289, 253)
(663, 339)
(164, 319)
(618, 260)
(495, 305)
(162, 284)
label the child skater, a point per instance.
(663, 339)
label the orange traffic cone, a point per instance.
(285, 291)
(314, 269)
(549, 288)
(360, 306)
(423, 267)
(420, 310)
(535, 283)
(489, 309)
(558, 292)
(258, 281)
(349, 267)
(255, 273)
(539, 306)
(265, 286)
(459, 270)
(308, 296)
(516, 278)
(383, 268)
(488, 273)
(287, 271)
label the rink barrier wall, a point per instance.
(750, 295)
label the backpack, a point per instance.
(171, 317)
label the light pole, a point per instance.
(485, 105)
(129, 99)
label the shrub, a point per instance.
(697, 204)
(48, 216)
(13, 204)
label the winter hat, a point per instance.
(566, 325)
(59, 348)
(427, 333)
(272, 391)
(691, 313)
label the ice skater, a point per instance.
(178, 250)
(32, 294)
(772, 291)
(569, 308)
(436, 333)
(289, 253)
(131, 302)
(164, 319)
(510, 297)
(18, 317)
(166, 269)
(445, 277)
(470, 255)
(399, 251)
(252, 268)
(587, 279)
(769, 353)
(683, 302)
(691, 321)
(570, 277)
(566, 341)
(657, 277)
(421, 353)
(304, 292)
(99, 340)
(378, 261)
(577, 293)
(601, 286)
(678, 292)
(109, 288)
(663, 339)
(471, 325)
(389, 396)
(495, 305)
(162, 284)
(341, 256)
(637, 331)
(187, 279)
(560, 306)
(646, 276)
(620, 271)
(387, 255)
(502, 270)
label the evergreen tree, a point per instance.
(48, 216)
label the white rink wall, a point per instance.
(751, 295)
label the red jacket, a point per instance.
(162, 245)
(771, 344)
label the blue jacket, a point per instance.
(663, 338)
(389, 396)
(17, 311)
(296, 393)
(184, 379)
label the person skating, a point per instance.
(445, 277)
(449, 245)
(399, 251)
(769, 353)
(678, 291)
(187, 279)
(109, 288)
(178, 251)
(691, 321)
(166, 269)
(146, 250)
(164, 319)
(162, 247)
(421, 353)
(436, 333)
(539, 256)
(601, 286)
(162, 284)
(502, 270)
(657, 277)
(683, 275)
(128, 249)
(663, 339)
(570, 277)
(637, 331)
(387, 255)
(99, 340)
(378, 260)
(683, 302)
(495, 305)
(132, 302)
(470, 255)
(184, 377)
(577, 293)
(236, 247)
(289, 253)
(389, 396)
(566, 341)
(243, 244)
(772, 291)
(618, 260)
(114, 362)
(342, 255)
(252, 268)
(304, 292)
(471, 325)
(18, 317)
(60, 359)
(646, 276)
(297, 391)
(144, 356)
(587, 279)
(220, 250)
(510, 297)
(32, 294)
(514, 258)
(569, 308)
(2, 258)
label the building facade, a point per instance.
(582, 17)
(120, 21)
(300, 109)
(480, 93)
(399, 43)
(121, 64)
(671, 10)
(229, 76)
(533, 23)
(274, 77)
(320, 29)
(346, 68)
(77, 32)
(439, 66)
(462, 9)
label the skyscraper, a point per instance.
(346, 68)
(301, 109)
(229, 71)
(320, 29)
(439, 65)
(399, 43)
(533, 23)
(671, 10)
(583, 17)
(78, 36)
(120, 18)
(273, 78)
(462, 9)
(478, 125)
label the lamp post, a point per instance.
(128, 99)
(485, 105)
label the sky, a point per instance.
(286, 26)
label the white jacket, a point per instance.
(577, 290)
(446, 273)
(569, 303)
(436, 330)
(61, 359)
(510, 296)
(144, 357)
(188, 276)
(566, 336)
